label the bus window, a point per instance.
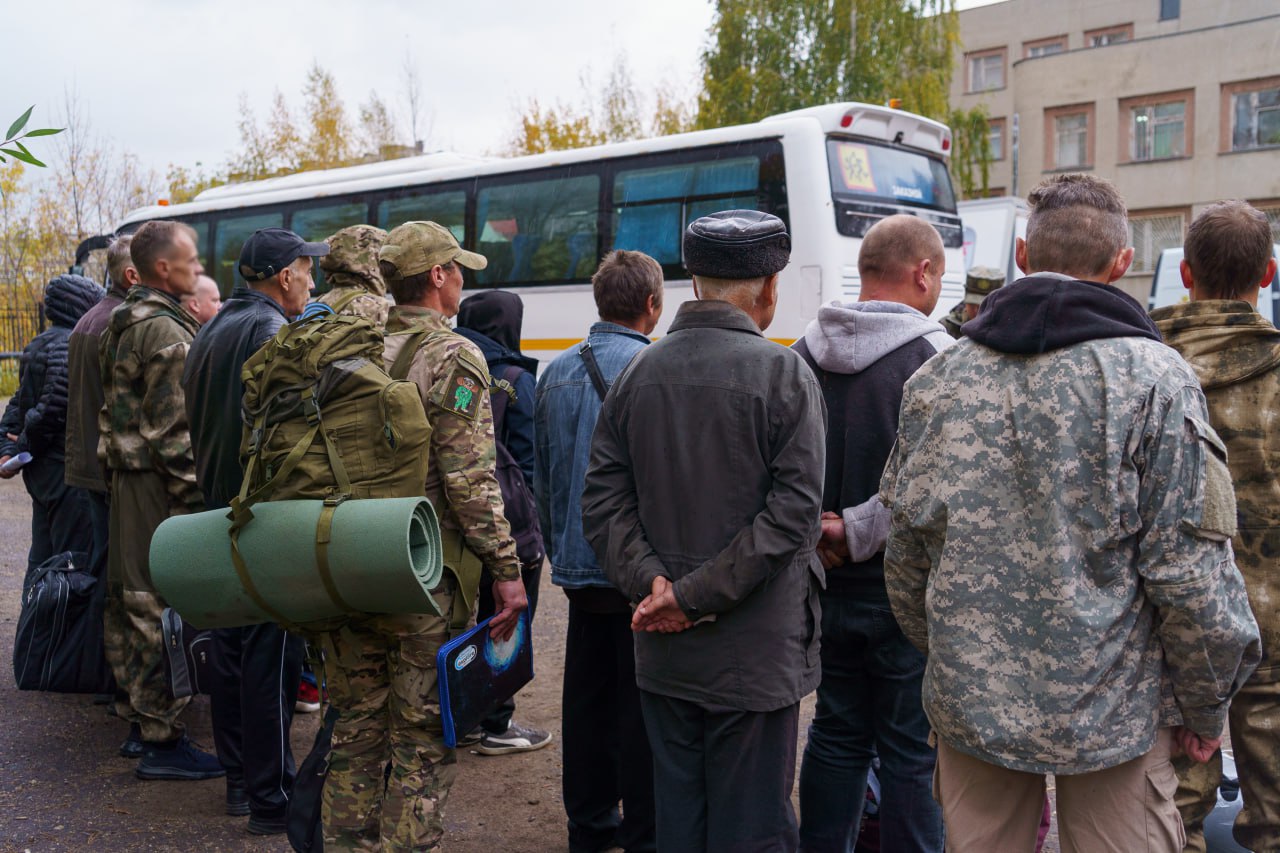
(320, 223)
(229, 237)
(652, 206)
(892, 175)
(445, 208)
(538, 230)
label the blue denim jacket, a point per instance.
(564, 418)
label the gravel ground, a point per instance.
(63, 787)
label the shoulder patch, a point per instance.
(466, 381)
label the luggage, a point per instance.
(58, 645)
(187, 651)
(304, 830)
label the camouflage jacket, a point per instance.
(454, 384)
(143, 421)
(1235, 353)
(360, 303)
(1060, 549)
(351, 268)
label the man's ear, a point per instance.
(1271, 274)
(696, 294)
(1184, 269)
(1020, 255)
(922, 275)
(131, 276)
(769, 293)
(1120, 265)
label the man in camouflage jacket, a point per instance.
(390, 712)
(1235, 353)
(146, 446)
(1060, 549)
(351, 269)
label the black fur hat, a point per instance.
(736, 244)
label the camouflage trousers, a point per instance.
(1254, 719)
(381, 676)
(131, 621)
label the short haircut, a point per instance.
(410, 289)
(623, 284)
(739, 291)
(896, 244)
(1078, 224)
(153, 241)
(1227, 248)
(119, 259)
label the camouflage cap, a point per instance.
(353, 258)
(981, 283)
(416, 247)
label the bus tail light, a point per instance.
(846, 120)
(946, 141)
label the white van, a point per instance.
(1167, 289)
(990, 226)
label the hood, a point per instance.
(849, 337)
(68, 297)
(143, 303)
(1046, 312)
(1224, 341)
(496, 314)
(353, 259)
(496, 353)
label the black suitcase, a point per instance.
(58, 645)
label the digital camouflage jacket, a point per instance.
(1060, 545)
(143, 421)
(1235, 353)
(454, 385)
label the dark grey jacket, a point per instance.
(707, 468)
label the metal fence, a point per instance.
(20, 321)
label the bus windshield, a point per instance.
(879, 173)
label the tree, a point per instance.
(329, 131)
(555, 128)
(970, 151)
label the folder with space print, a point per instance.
(476, 674)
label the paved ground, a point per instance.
(63, 788)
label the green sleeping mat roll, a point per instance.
(383, 554)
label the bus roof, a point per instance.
(854, 119)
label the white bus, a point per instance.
(544, 221)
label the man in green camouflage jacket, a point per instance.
(1060, 549)
(1235, 352)
(351, 270)
(386, 690)
(146, 446)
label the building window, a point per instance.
(1109, 35)
(1170, 9)
(1152, 233)
(1157, 127)
(1044, 47)
(995, 138)
(1254, 113)
(986, 70)
(1069, 137)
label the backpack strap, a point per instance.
(593, 369)
(404, 358)
(507, 385)
(344, 301)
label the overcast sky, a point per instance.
(162, 79)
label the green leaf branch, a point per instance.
(12, 144)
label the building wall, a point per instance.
(1194, 58)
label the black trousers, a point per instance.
(722, 777)
(256, 671)
(498, 719)
(59, 513)
(606, 748)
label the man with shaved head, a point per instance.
(205, 303)
(1060, 550)
(869, 698)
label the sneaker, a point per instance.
(471, 737)
(178, 759)
(308, 700)
(516, 738)
(259, 825)
(237, 798)
(132, 746)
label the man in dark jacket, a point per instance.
(256, 667)
(35, 422)
(492, 321)
(869, 699)
(703, 503)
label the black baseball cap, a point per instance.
(269, 250)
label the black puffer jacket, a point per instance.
(37, 414)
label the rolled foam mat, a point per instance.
(384, 557)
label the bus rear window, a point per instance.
(893, 175)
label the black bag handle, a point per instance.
(593, 369)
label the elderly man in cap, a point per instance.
(702, 502)
(351, 269)
(256, 666)
(980, 283)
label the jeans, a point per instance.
(868, 705)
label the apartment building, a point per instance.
(1175, 101)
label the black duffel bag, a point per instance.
(304, 830)
(58, 646)
(187, 655)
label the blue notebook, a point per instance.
(476, 674)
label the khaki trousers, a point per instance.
(1128, 808)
